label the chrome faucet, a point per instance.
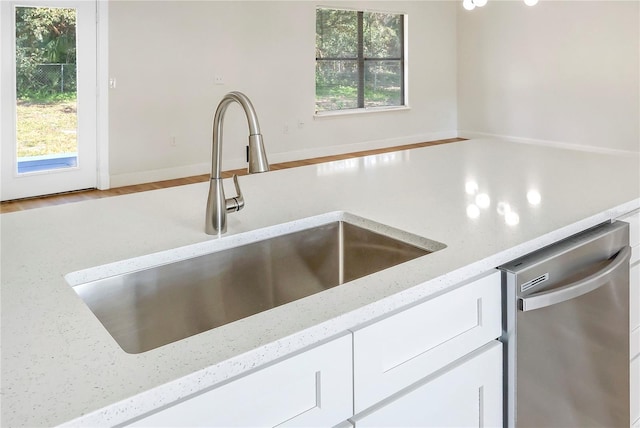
(217, 205)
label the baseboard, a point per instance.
(549, 143)
(149, 176)
(317, 152)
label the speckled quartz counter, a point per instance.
(59, 365)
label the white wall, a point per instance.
(164, 56)
(563, 71)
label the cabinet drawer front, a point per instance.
(635, 389)
(310, 389)
(467, 393)
(395, 352)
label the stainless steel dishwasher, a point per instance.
(566, 332)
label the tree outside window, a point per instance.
(45, 51)
(359, 59)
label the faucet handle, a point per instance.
(237, 202)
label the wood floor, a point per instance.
(83, 195)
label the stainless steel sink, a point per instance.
(149, 308)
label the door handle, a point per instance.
(577, 288)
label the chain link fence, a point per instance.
(47, 79)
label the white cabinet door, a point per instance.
(313, 388)
(467, 393)
(635, 391)
(397, 351)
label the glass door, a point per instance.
(48, 97)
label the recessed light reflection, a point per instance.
(478, 201)
(483, 200)
(471, 187)
(503, 208)
(473, 211)
(511, 218)
(534, 197)
(338, 167)
(382, 159)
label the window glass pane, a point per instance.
(336, 33)
(336, 85)
(382, 35)
(382, 83)
(46, 120)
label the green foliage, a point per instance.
(336, 33)
(48, 34)
(43, 35)
(40, 97)
(382, 35)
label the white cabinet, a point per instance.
(467, 393)
(312, 388)
(434, 363)
(635, 394)
(397, 351)
(634, 313)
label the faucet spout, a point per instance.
(217, 204)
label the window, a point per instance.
(359, 60)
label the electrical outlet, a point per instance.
(112, 83)
(218, 80)
(172, 141)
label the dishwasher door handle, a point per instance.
(577, 288)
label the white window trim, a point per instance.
(359, 111)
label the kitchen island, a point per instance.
(488, 201)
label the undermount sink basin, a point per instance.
(148, 308)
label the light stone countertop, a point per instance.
(59, 365)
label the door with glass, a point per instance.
(48, 97)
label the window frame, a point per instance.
(362, 60)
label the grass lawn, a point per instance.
(346, 97)
(46, 127)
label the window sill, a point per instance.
(357, 111)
